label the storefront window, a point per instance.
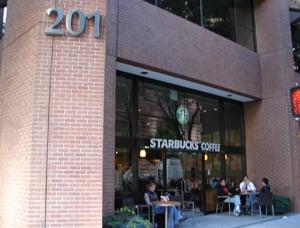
(233, 121)
(123, 106)
(169, 113)
(234, 167)
(123, 175)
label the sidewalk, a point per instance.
(226, 221)
(292, 221)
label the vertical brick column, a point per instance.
(271, 132)
(81, 123)
(57, 99)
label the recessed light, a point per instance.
(204, 110)
(144, 72)
(216, 109)
(148, 124)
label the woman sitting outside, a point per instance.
(253, 195)
(233, 197)
(174, 215)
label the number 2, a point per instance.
(53, 30)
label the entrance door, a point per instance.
(213, 171)
(184, 176)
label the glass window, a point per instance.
(123, 106)
(245, 23)
(233, 120)
(210, 120)
(188, 9)
(123, 176)
(150, 168)
(234, 164)
(213, 167)
(295, 26)
(218, 16)
(170, 113)
(233, 19)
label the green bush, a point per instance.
(125, 218)
(282, 204)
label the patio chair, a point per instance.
(265, 199)
(220, 204)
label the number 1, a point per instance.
(97, 17)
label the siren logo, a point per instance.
(156, 143)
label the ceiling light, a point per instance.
(143, 153)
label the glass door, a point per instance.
(213, 172)
(184, 177)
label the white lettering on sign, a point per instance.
(157, 143)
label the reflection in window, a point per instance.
(233, 124)
(295, 26)
(213, 169)
(233, 19)
(123, 175)
(150, 168)
(123, 106)
(219, 17)
(170, 113)
(234, 167)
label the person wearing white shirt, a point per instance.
(247, 186)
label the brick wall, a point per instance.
(16, 136)
(271, 132)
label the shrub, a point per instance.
(125, 217)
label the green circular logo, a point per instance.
(182, 114)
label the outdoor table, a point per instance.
(165, 204)
(246, 194)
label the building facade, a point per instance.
(98, 97)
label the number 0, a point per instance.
(81, 25)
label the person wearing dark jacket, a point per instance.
(235, 199)
(265, 188)
(265, 185)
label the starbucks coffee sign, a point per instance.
(157, 143)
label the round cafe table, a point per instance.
(165, 204)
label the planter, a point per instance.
(127, 226)
(280, 211)
(282, 204)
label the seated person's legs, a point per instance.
(250, 199)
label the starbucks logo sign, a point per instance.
(182, 115)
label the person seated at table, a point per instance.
(174, 215)
(247, 186)
(253, 195)
(233, 197)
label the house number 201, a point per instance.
(54, 29)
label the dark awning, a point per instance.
(295, 18)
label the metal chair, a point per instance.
(265, 199)
(220, 202)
